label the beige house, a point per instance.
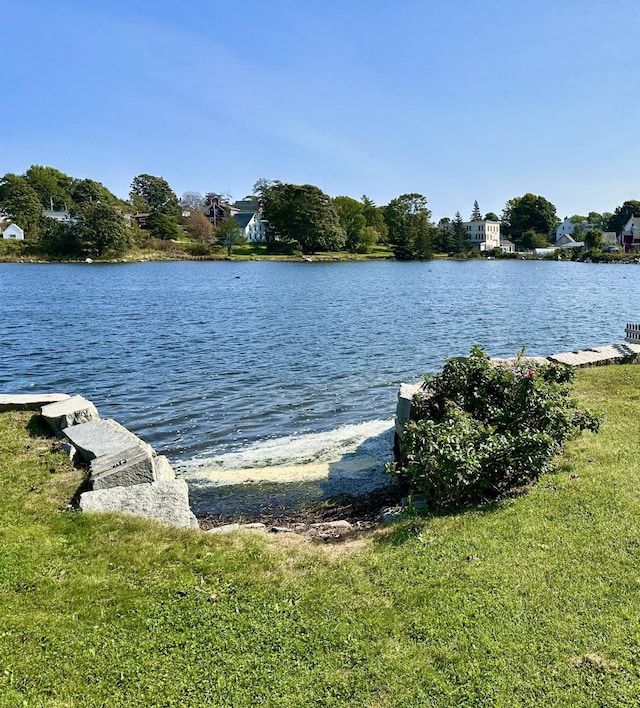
(484, 235)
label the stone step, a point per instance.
(103, 437)
(71, 411)
(29, 401)
(125, 468)
(167, 502)
(625, 353)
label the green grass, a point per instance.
(533, 601)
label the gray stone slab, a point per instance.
(600, 356)
(122, 469)
(102, 437)
(167, 502)
(403, 407)
(163, 469)
(29, 401)
(72, 411)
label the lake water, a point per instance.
(254, 363)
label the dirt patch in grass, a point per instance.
(361, 512)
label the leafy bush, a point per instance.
(198, 249)
(480, 428)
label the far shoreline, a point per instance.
(628, 259)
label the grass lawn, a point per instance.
(534, 601)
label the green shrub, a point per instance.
(198, 249)
(480, 429)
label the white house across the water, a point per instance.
(13, 232)
(251, 225)
(484, 234)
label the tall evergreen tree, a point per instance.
(461, 240)
(476, 213)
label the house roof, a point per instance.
(5, 227)
(243, 218)
(246, 205)
(635, 220)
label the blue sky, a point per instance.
(458, 100)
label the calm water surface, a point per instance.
(204, 359)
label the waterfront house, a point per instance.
(216, 209)
(483, 234)
(566, 228)
(630, 237)
(61, 215)
(567, 241)
(13, 232)
(507, 246)
(251, 225)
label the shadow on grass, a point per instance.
(412, 523)
(39, 429)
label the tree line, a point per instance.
(301, 217)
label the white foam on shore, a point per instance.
(367, 445)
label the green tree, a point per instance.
(461, 239)
(302, 214)
(596, 219)
(476, 213)
(229, 234)
(529, 212)
(374, 216)
(59, 239)
(368, 239)
(85, 191)
(490, 216)
(155, 194)
(21, 203)
(52, 186)
(352, 219)
(530, 239)
(594, 239)
(423, 236)
(443, 236)
(101, 229)
(622, 214)
(162, 226)
(410, 231)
